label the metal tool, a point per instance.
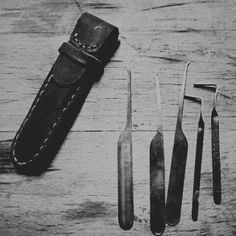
(125, 172)
(215, 144)
(178, 164)
(198, 158)
(157, 174)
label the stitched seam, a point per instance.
(44, 145)
(83, 45)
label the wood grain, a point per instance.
(78, 195)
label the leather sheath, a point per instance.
(80, 62)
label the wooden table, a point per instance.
(78, 195)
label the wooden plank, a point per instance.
(79, 195)
(107, 100)
(81, 180)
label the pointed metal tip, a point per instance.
(187, 65)
(186, 69)
(209, 86)
(156, 78)
(128, 72)
(194, 98)
(205, 85)
(129, 80)
(158, 100)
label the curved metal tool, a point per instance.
(157, 174)
(215, 144)
(125, 171)
(178, 164)
(198, 158)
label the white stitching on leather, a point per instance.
(49, 132)
(83, 45)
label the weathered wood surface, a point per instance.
(79, 195)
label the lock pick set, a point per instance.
(167, 211)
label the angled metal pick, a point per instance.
(157, 174)
(178, 164)
(125, 169)
(215, 144)
(198, 158)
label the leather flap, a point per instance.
(67, 71)
(95, 36)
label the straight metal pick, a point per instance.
(215, 144)
(157, 174)
(198, 159)
(125, 171)
(178, 164)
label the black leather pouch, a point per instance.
(59, 100)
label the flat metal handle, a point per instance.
(215, 143)
(125, 170)
(176, 182)
(216, 157)
(157, 175)
(197, 169)
(178, 164)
